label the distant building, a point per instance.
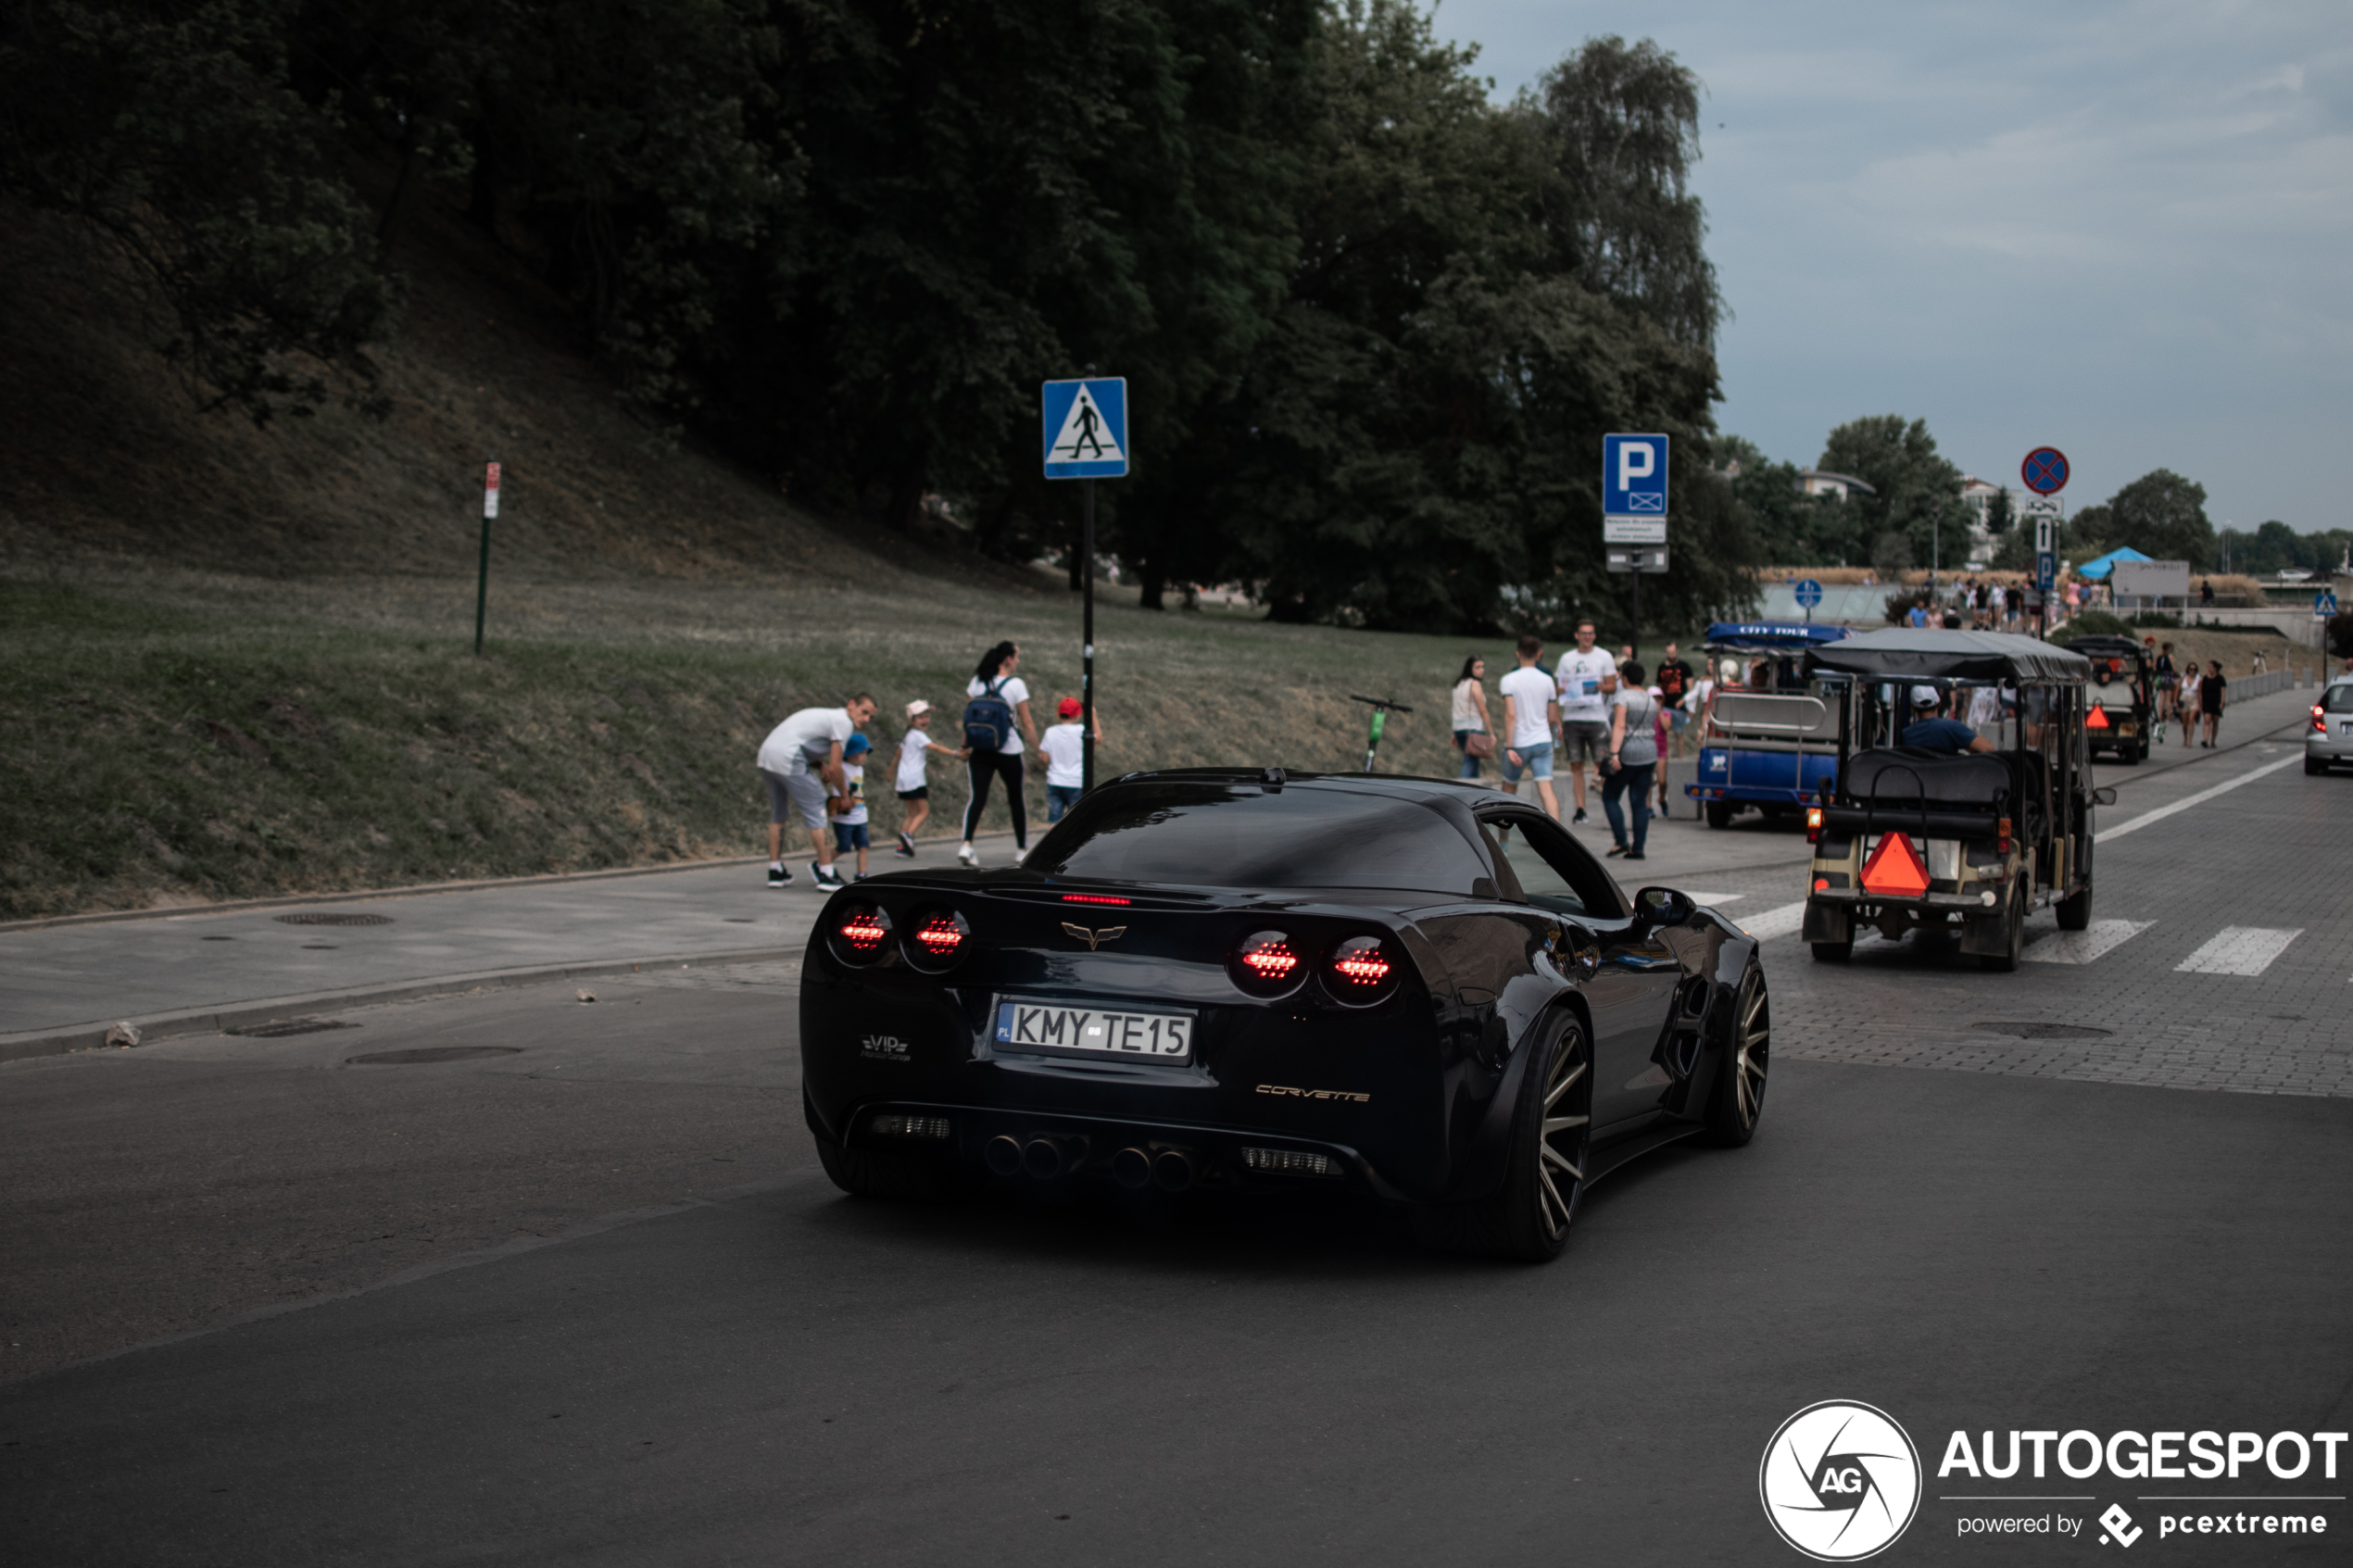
(1978, 495)
(1821, 482)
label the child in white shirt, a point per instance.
(915, 787)
(1065, 748)
(850, 827)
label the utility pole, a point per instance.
(481, 585)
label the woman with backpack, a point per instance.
(1633, 757)
(999, 701)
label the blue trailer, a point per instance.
(1769, 742)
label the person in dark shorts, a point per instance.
(913, 784)
(2210, 697)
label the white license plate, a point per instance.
(1054, 1029)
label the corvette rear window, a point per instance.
(1207, 834)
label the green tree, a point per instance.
(173, 132)
(2160, 514)
(1917, 491)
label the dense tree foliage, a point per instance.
(1375, 323)
(2276, 547)
(2160, 514)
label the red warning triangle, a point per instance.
(2096, 719)
(1894, 868)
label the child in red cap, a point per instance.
(1064, 750)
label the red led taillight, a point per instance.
(1272, 960)
(1813, 824)
(2002, 836)
(859, 932)
(1266, 963)
(940, 937)
(1361, 968)
(1093, 898)
(2318, 722)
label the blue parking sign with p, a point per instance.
(1634, 476)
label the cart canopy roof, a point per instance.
(1917, 654)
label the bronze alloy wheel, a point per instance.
(1748, 1056)
(1565, 1137)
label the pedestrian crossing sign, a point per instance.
(1086, 428)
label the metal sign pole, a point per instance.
(481, 583)
(1087, 643)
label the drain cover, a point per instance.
(430, 1053)
(279, 1028)
(2045, 1031)
(309, 917)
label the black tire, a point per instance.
(1833, 952)
(2313, 765)
(1527, 1220)
(2006, 961)
(1739, 1101)
(1719, 814)
(869, 1173)
(2075, 911)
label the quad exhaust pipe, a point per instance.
(1049, 1157)
(1173, 1170)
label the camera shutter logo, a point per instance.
(1839, 1481)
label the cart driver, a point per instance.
(1930, 732)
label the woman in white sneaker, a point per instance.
(995, 680)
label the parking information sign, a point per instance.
(1634, 482)
(1086, 428)
(2045, 569)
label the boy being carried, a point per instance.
(849, 822)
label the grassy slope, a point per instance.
(215, 737)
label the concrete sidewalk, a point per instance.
(202, 970)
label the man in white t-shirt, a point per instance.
(1063, 746)
(800, 762)
(1530, 709)
(1584, 710)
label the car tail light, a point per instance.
(860, 932)
(1813, 824)
(2318, 722)
(1361, 970)
(1268, 964)
(1289, 1163)
(892, 1125)
(1821, 885)
(2002, 836)
(936, 938)
(1093, 898)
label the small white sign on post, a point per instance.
(1633, 531)
(490, 492)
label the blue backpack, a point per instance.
(989, 720)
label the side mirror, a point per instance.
(1658, 907)
(2104, 794)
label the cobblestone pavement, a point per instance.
(2159, 992)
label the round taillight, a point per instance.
(936, 938)
(860, 932)
(1268, 964)
(1361, 970)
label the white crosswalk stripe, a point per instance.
(2081, 947)
(2239, 949)
(1775, 923)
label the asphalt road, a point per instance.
(585, 1300)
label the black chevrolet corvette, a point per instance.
(1250, 982)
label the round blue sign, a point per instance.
(1809, 593)
(2044, 470)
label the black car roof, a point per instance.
(1401, 787)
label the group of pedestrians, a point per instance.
(1590, 708)
(813, 767)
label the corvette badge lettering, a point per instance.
(1316, 1094)
(1095, 939)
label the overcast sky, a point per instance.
(2122, 229)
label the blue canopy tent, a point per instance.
(2100, 566)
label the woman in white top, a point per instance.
(1471, 711)
(995, 677)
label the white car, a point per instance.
(2330, 738)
